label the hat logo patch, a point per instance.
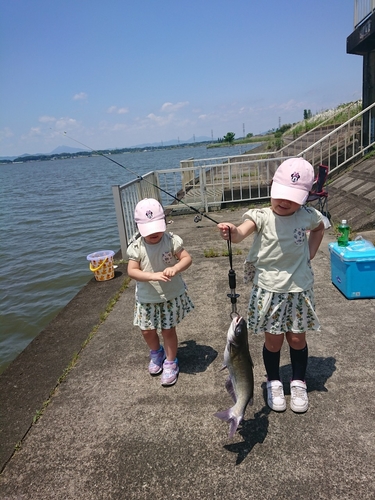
(295, 176)
(149, 214)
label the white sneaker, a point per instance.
(298, 396)
(275, 395)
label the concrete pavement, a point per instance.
(110, 431)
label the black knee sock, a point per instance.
(299, 362)
(271, 363)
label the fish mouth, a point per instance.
(238, 319)
(237, 330)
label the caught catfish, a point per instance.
(240, 383)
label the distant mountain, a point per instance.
(66, 149)
(57, 151)
(69, 150)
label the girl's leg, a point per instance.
(271, 357)
(298, 354)
(170, 366)
(152, 339)
(157, 355)
(170, 343)
(299, 402)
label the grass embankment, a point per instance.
(274, 138)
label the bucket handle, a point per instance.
(93, 269)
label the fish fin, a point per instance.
(223, 367)
(227, 416)
(229, 387)
(233, 425)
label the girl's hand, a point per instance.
(224, 228)
(160, 276)
(170, 272)
(237, 234)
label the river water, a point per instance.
(52, 215)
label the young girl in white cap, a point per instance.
(156, 261)
(282, 300)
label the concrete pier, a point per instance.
(107, 430)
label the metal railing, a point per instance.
(125, 198)
(362, 10)
(213, 183)
(345, 144)
(343, 114)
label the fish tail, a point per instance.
(228, 416)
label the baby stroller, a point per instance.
(318, 197)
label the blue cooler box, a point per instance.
(353, 269)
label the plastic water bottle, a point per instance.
(343, 237)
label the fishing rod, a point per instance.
(232, 274)
(197, 218)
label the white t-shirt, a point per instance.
(280, 252)
(155, 258)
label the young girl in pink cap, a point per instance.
(156, 261)
(282, 300)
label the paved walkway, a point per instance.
(110, 431)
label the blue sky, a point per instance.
(121, 73)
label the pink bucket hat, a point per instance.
(293, 180)
(149, 217)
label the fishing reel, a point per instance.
(198, 218)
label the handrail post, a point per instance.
(203, 187)
(120, 218)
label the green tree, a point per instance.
(229, 137)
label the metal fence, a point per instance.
(362, 10)
(214, 183)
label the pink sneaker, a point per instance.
(170, 372)
(156, 361)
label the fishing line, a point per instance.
(197, 218)
(232, 274)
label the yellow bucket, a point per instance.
(101, 264)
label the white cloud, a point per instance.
(167, 116)
(47, 119)
(170, 107)
(63, 123)
(80, 97)
(117, 111)
(35, 132)
(160, 120)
